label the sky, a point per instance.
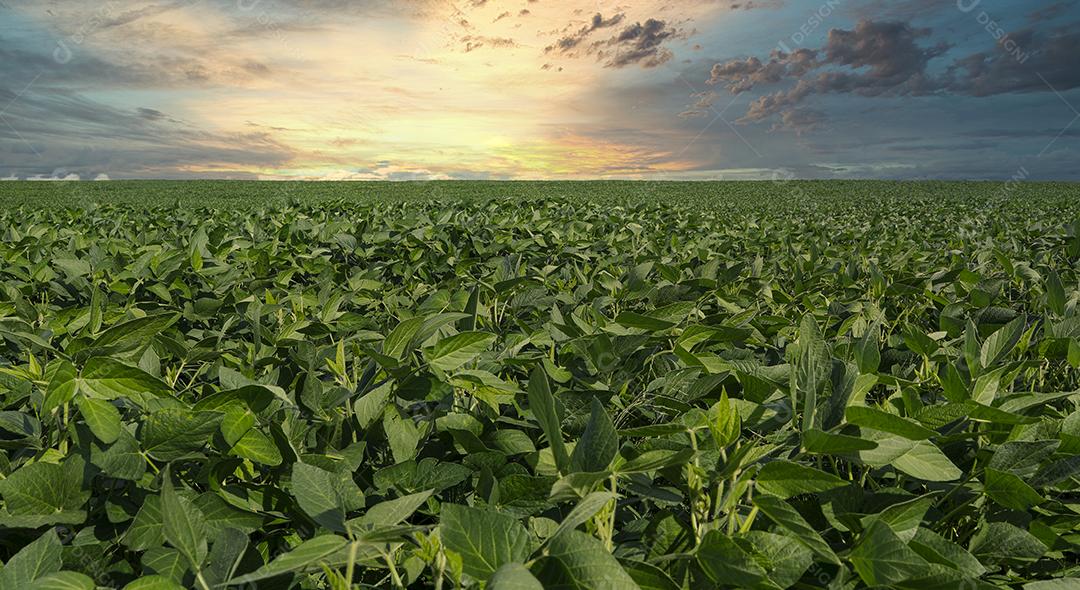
(540, 89)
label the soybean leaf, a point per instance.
(577, 561)
(513, 576)
(33, 562)
(102, 417)
(1009, 490)
(542, 403)
(785, 479)
(598, 444)
(485, 540)
(450, 353)
(880, 557)
(107, 378)
(184, 524)
(305, 556)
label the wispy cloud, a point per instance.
(400, 89)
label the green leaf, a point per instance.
(135, 333)
(784, 515)
(577, 561)
(308, 555)
(642, 322)
(867, 354)
(225, 556)
(102, 417)
(1055, 293)
(221, 516)
(184, 524)
(972, 348)
(391, 512)
(1057, 584)
(1001, 342)
(881, 558)
(256, 446)
(1009, 490)
(165, 561)
(21, 425)
(45, 489)
(371, 405)
(542, 404)
(654, 460)
(936, 549)
(34, 561)
(486, 540)
(785, 479)
(153, 582)
(173, 433)
(123, 459)
(450, 353)
(925, 461)
(724, 422)
(725, 562)
(812, 366)
(821, 442)
(403, 434)
(783, 558)
(1001, 541)
(648, 576)
(107, 379)
(513, 576)
(147, 529)
(903, 518)
(886, 422)
(586, 508)
(321, 495)
(598, 444)
(64, 581)
(917, 458)
(63, 384)
(399, 341)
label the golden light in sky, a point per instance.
(526, 89)
(354, 90)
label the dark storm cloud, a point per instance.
(1050, 12)
(568, 42)
(1041, 59)
(640, 43)
(894, 59)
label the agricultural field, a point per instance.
(517, 386)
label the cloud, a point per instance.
(641, 44)
(1038, 60)
(474, 42)
(1051, 11)
(569, 42)
(893, 59)
(800, 121)
(52, 126)
(142, 12)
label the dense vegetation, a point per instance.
(516, 386)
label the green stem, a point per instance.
(351, 567)
(393, 570)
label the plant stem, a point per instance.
(351, 567)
